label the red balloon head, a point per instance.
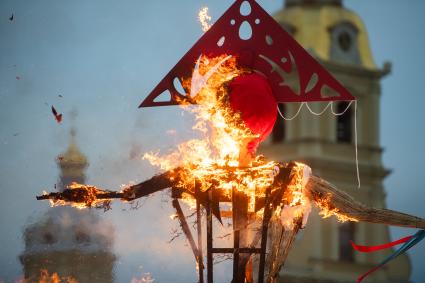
(251, 95)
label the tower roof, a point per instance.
(311, 22)
(72, 157)
(289, 3)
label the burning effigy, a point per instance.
(232, 82)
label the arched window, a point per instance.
(344, 43)
(346, 234)
(344, 123)
(278, 134)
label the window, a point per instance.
(278, 134)
(344, 123)
(344, 43)
(346, 234)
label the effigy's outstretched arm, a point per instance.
(325, 194)
(318, 190)
(90, 195)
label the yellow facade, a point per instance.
(316, 256)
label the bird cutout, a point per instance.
(267, 49)
(58, 117)
(18, 78)
(11, 18)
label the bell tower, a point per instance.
(72, 244)
(338, 39)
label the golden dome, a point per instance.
(312, 22)
(72, 157)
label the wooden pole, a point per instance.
(199, 230)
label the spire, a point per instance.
(291, 3)
(72, 163)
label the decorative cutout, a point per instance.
(178, 86)
(312, 83)
(328, 92)
(292, 64)
(220, 42)
(245, 8)
(163, 97)
(269, 40)
(245, 31)
(288, 79)
(257, 21)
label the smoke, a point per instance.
(66, 228)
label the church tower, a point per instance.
(67, 242)
(72, 164)
(338, 39)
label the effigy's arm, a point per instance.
(325, 194)
(90, 195)
(318, 190)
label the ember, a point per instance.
(204, 19)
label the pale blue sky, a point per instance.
(103, 57)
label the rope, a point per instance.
(319, 113)
(293, 117)
(355, 143)
(336, 114)
(345, 110)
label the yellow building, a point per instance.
(338, 38)
(68, 241)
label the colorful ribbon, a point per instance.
(408, 241)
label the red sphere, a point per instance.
(252, 96)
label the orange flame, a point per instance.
(45, 277)
(215, 157)
(83, 196)
(327, 210)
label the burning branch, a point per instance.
(326, 194)
(82, 196)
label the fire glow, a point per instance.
(219, 159)
(46, 277)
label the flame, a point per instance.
(327, 210)
(83, 196)
(297, 205)
(204, 19)
(213, 160)
(45, 277)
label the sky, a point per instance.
(103, 57)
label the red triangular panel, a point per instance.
(268, 44)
